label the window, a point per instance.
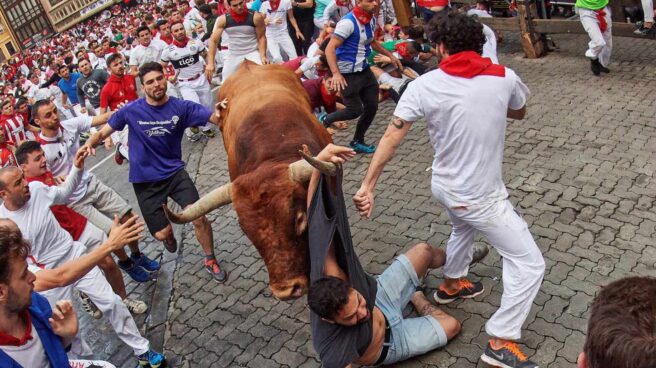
(10, 48)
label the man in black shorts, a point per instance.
(156, 127)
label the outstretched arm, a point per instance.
(364, 198)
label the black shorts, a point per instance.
(153, 195)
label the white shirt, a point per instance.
(145, 54)
(466, 120)
(51, 244)
(60, 151)
(31, 354)
(187, 61)
(277, 18)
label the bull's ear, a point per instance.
(301, 222)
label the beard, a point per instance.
(157, 95)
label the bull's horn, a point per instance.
(211, 201)
(301, 170)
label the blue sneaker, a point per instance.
(362, 148)
(151, 359)
(136, 272)
(145, 262)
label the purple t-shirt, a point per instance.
(155, 135)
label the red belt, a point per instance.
(190, 79)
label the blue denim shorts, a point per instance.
(411, 336)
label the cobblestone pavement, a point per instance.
(577, 169)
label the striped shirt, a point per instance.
(352, 55)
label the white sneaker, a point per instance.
(135, 306)
(89, 306)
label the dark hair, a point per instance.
(622, 325)
(60, 67)
(20, 101)
(141, 29)
(205, 9)
(112, 58)
(149, 17)
(25, 149)
(12, 246)
(327, 296)
(149, 67)
(4, 103)
(413, 31)
(324, 44)
(37, 105)
(160, 23)
(458, 32)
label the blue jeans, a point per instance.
(410, 336)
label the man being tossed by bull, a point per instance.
(157, 123)
(357, 318)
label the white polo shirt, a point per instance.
(278, 18)
(139, 55)
(466, 120)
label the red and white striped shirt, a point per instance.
(6, 156)
(14, 128)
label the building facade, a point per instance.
(27, 21)
(66, 13)
(8, 43)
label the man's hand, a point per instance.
(299, 35)
(59, 180)
(336, 154)
(338, 83)
(382, 59)
(66, 106)
(80, 156)
(364, 202)
(63, 321)
(125, 233)
(209, 72)
(396, 62)
(265, 60)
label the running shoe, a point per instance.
(136, 272)
(171, 244)
(209, 133)
(509, 356)
(89, 306)
(466, 290)
(118, 157)
(362, 148)
(135, 306)
(152, 359)
(194, 134)
(212, 266)
(145, 262)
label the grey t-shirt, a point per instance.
(337, 345)
(88, 88)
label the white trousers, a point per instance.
(523, 265)
(278, 43)
(232, 62)
(198, 91)
(97, 288)
(648, 9)
(601, 44)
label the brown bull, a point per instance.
(266, 119)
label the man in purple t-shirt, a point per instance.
(156, 127)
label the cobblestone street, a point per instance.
(578, 169)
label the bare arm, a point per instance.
(517, 114)
(260, 29)
(213, 44)
(101, 119)
(383, 51)
(292, 20)
(134, 70)
(73, 270)
(101, 135)
(305, 4)
(72, 180)
(396, 131)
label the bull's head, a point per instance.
(271, 205)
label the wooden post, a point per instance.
(531, 41)
(403, 12)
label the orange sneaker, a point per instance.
(466, 290)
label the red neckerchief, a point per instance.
(601, 17)
(274, 4)
(468, 64)
(46, 179)
(239, 18)
(362, 16)
(168, 40)
(344, 3)
(8, 340)
(182, 43)
(402, 49)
